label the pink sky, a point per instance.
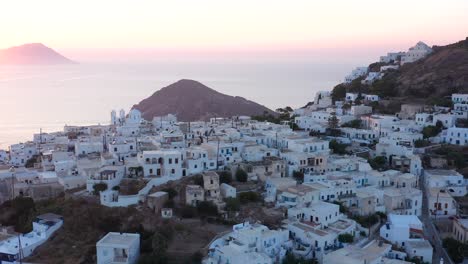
(88, 28)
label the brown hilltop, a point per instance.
(190, 100)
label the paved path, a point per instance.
(431, 232)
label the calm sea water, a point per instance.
(49, 97)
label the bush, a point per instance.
(169, 204)
(337, 147)
(206, 208)
(421, 143)
(241, 175)
(225, 177)
(248, 197)
(298, 176)
(99, 187)
(456, 250)
(431, 131)
(378, 162)
(346, 238)
(367, 221)
(353, 124)
(116, 188)
(362, 233)
(188, 212)
(232, 204)
(291, 259)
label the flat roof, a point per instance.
(113, 239)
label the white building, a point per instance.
(118, 248)
(455, 136)
(162, 163)
(400, 229)
(356, 73)
(228, 191)
(451, 180)
(392, 57)
(417, 52)
(460, 98)
(249, 243)
(43, 228)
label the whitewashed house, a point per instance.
(417, 52)
(118, 248)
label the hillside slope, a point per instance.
(190, 100)
(443, 72)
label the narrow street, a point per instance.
(431, 232)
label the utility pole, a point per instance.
(217, 156)
(437, 207)
(20, 250)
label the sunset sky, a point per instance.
(123, 26)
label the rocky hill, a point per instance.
(443, 72)
(32, 54)
(191, 101)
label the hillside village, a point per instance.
(335, 181)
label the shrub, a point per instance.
(188, 212)
(362, 233)
(353, 124)
(346, 238)
(247, 197)
(232, 204)
(457, 251)
(206, 208)
(116, 188)
(225, 177)
(431, 131)
(337, 147)
(298, 176)
(241, 175)
(99, 187)
(421, 143)
(378, 162)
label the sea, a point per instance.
(48, 97)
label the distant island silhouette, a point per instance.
(32, 54)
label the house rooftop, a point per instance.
(113, 239)
(420, 243)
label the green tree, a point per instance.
(333, 121)
(241, 175)
(378, 162)
(421, 143)
(206, 208)
(99, 187)
(337, 147)
(246, 197)
(232, 204)
(346, 238)
(225, 177)
(298, 176)
(291, 259)
(338, 93)
(431, 131)
(456, 250)
(357, 123)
